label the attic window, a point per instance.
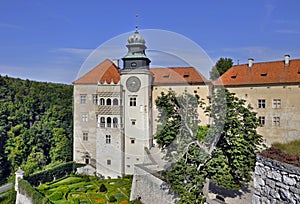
(186, 75)
(233, 76)
(298, 70)
(166, 76)
(263, 74)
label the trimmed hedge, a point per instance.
(55, 172)
(37, 198)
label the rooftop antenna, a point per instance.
(136, 22)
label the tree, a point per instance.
(178, 115)
(222, 65)
(225, 152)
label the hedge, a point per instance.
(37, 198)
(55, 172)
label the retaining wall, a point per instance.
(149, 187)
(275, 182)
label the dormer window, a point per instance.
(233, 76)
(166, 76)
(186, 75)
(298, 70)
(263, 74)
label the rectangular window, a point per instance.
(133, 122)
(132, 101)
(276, 103)
(108, 139)
(84, 117)
(132, 140)
(85, 136)
(83, 99)
(276, 121)
(261, 103)
(108, 162)
(262, 120)
(95, 99)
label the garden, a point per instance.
(87, 190)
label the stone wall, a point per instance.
(275, 182)
(148, 187)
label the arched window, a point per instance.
(102, 101)
(108, 122)
(102, 122)
(115, 102)
(108, 102)
(115, 122)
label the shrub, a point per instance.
(57, 195)
(49, 174)
(103, 188)
(112, 199)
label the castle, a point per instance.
(115, 114)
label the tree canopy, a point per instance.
(221, 66)
(35, 124)
(223, 152)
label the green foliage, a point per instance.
(56, 195)
(112, 199)
(292, 147)
(35, 124)
(49, 174)
(74, 189)
(37, 198)
(225, 152)
(222, 65)
(178, 115)
(8, 196)
(103, 188)
(235, 153)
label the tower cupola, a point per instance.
(136, 56)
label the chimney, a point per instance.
(250, 62)
(286, 60)
(116, 62)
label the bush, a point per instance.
(49, 174)
(112, 199)
(57, 195)
(103, 188)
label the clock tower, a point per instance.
(136, 82)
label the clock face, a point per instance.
(133, 84)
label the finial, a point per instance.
(136, 22)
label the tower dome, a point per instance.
(136, 38)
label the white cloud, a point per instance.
(79, 52)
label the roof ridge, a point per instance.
(102, 63)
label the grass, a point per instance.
(77, 189)
(292, 148)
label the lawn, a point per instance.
(290, 148)
(86, 190)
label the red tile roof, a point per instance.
(104, 72)
(261, 73)
(177, 75)
(107, 71)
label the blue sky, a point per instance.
(48, 40)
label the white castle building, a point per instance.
(114, 108)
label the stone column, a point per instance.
(19, 175)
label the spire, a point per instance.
(136, 22)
